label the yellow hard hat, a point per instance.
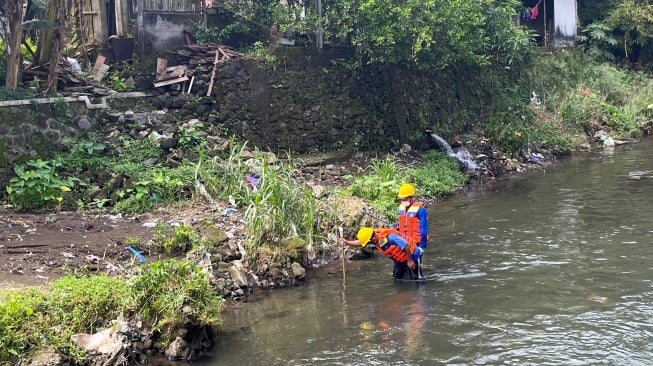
(364, 235)
(406, 190)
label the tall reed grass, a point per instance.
(277, 208)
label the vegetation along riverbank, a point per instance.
(124, 240)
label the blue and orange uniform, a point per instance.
(413, 224)
(412, 220)
(392, 245)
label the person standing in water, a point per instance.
(412, 220)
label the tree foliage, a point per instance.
(590, 11)
(427, 33)
(634, 20)
(241, 23)
(599, 42)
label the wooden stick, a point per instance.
(215, 65)
(344, 272)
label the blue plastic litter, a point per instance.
(535, 158)
(141, 257)
(252, 181)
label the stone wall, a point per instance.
(304, 101)
(33, 130)
(308, 100)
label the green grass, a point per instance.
(436, 175)
(32, 318)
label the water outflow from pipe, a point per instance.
(464, 158)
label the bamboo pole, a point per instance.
(342, 256)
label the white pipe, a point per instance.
(81, 98)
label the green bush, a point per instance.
(438, 175)
(18, 324)
(278, 208)
(177, 240)
(380, 187)
(38, 185)
(164, 288)
(31, 318)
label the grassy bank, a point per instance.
(33, 319)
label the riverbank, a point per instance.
(41, 247)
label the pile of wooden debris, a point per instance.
(194, 60)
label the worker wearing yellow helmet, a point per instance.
(392, 245)
(412, 218)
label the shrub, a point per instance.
(37, 185)
(438, 175)
(164, 288)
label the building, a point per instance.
(554, 21)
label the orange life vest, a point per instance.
(393, 252)
(408, 224)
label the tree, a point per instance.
(12, 25)
(429, 33)
(634, 19)
(590, 11)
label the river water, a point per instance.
(549, 268)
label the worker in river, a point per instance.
(391, 244)
(412, 219)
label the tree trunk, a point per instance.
(44, 47)
(13, 36)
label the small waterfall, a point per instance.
(444, 145)
(464, 158)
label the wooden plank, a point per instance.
(224, 53)
(172, 81)
(35, 72)
(99, 61)
(215, 66)
(161, 65)
(178, 71)
(101, 73)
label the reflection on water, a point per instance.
(550, 268)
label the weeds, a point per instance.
(165, 288)
(278, 208)
(437, 175)
(118, 83)
(61, 107)
(176, 240)
(37, 185)
(31, 317)
(190, 137)
(84, 155)
(380, 187)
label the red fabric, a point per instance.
(534, 13)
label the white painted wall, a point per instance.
(565, 21)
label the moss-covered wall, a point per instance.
(304, 101)
(36, 130)
(311, 101)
